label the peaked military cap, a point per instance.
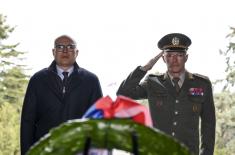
(174, 42)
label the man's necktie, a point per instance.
(65, 80)
(176, 84)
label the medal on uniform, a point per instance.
(196, 92)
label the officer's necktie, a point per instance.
(176, 84)
(65, 74)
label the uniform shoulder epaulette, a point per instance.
(156, 75)
(201, 76)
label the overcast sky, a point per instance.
(115, 36)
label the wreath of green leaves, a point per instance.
(71, 138)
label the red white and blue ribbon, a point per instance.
(122, 107)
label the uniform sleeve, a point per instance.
(28, 119)
(131, 87)
(208, 124)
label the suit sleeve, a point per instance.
(208, 123)
(28, 117)
(97, 91)
(131, 87)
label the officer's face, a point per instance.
(175, 61)
(65, 52)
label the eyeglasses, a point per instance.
(61, 48)
(178, 55)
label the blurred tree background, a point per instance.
(224, 102)
(13, 82)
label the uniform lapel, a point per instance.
(168, 84)
(187, 84)
(156, 84)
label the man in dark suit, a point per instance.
(61, 92)
(177, 99)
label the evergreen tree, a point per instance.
(12, 77)
(13, 82)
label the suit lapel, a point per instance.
(54, 83)
(75, 80)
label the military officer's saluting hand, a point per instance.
(151, 63)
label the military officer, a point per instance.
(177, 99)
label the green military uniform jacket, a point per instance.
(177, 114)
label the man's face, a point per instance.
(65, 52)
(175, 61)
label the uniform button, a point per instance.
(175, 123)
(176, 101)
(173, 133)
(176, 112)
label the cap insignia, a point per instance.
(175, 41)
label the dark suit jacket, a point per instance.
(46, 107)
(177, 114)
